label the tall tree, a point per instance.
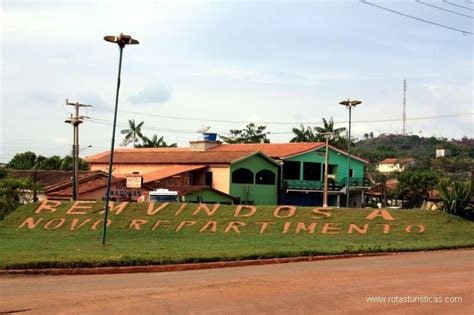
(413, 186)
(12, 193)
(328, 127)
(303, 134)
(155, 142)
(23, 161)
(251, 134)
(66, 164)
(133, 133)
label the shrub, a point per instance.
(456, 198)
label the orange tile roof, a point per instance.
(137, 150)
(170, 171)
(273, 150)
(223, 154)
(134, 156)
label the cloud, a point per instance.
(60, 140)
(153, 94)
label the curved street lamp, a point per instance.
(121, 40)
(349, 104)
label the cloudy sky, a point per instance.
(225, 63)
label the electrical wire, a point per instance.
(125, 124)
(457, 5)
(267, 122)
(441, 8)
(464, 32)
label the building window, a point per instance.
(208, 179)
(351, 172)
(312, 171)
(242, 176)
(265, 177)
(291, 170)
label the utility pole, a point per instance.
(404, 106)
(75, 120)
(326, 170)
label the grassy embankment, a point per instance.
(60, 246)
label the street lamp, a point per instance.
(121, 41)
(349, 104)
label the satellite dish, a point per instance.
(204, 129)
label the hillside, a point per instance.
(69, 234)
(384, 146)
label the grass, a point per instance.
(40, 248)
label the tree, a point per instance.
(303, 134)
(133, 133)
(413, 186)
(328, 127)
(251, 134)
(13, 192)
(67, 164)
(3, 172)
(51, 163)
(23, 161)
(154, 142)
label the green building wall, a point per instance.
(256, 193)
(208, 196)
(335, 157)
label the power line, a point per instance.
(124, 124)
(441, 8)
(416, 18)
(260, 122)
(457, 5)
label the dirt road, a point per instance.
(429, 283)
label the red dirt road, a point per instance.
(329, 287)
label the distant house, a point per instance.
(391, 165)
(441, 152)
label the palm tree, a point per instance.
(133, 133)
(303, 135)
(154, 142)
(328, 127)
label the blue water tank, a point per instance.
(210, 136)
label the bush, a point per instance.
(456, 198)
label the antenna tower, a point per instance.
(404, 106)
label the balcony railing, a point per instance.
(319, 185)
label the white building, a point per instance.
(391, 165)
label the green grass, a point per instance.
(40, 248)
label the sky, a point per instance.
(224, 64)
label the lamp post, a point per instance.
(121, 41)
(349, 104)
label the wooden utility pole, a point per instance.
(75, 121)
(326, 170)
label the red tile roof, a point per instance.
(131, 156)
(273, 150)
(51, 178)
(90, 185)
(137, 150)
(221, 154)
(170, 171)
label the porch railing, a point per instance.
(319, 185)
